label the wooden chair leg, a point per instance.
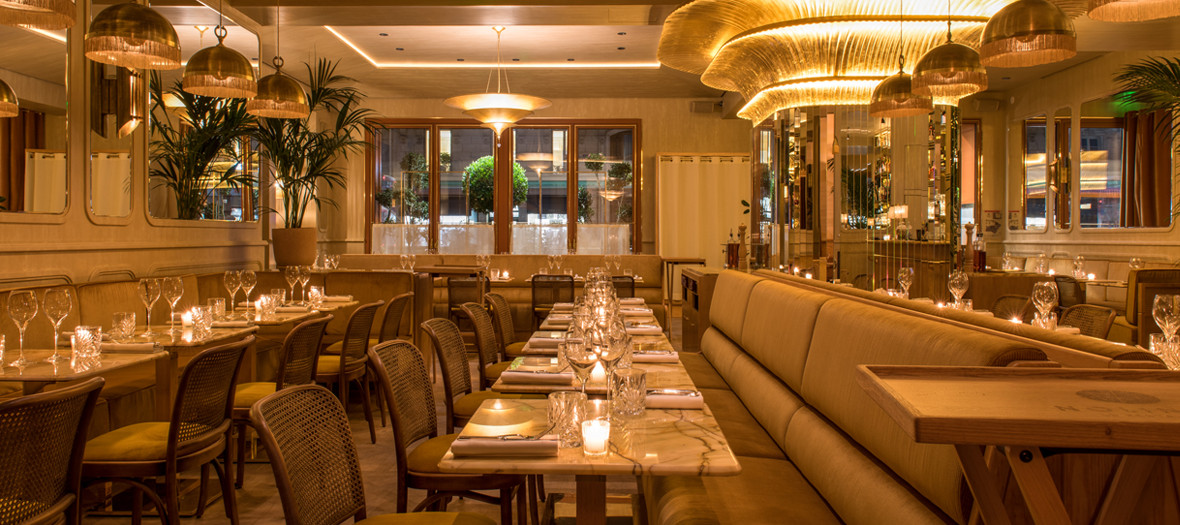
(367, 404)
(506, 506)
(241, 466)
(137, 506)
(228, 496)
(202, 494)
(531, 482)
(522, 500)
(171, 500)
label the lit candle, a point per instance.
(807, 275)
(940, 305)
(1015, 320)
(595, 436)
(1090, 276)
(1051, 272)
(598, 374)
(186, 319)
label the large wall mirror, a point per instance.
(221, 184)
(1126, 166)
(1060, 172)
(33, 142)
(116, 111)
(1035, 150)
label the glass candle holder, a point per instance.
(595, 437)
(566, 411)
(629, 391)
(217, 307)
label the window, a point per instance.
(1035, 149)
(1102, 173)
(436, 186)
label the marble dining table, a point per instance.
(659, 442)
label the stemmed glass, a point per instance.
(581, 358)
(249, 280)
(333, 261)
(172, 288)
(149, 293)
(291, 274)
(304, 277)
(1165, 309)
(233, 282)
(958, 285)
(1044, 298)
(905, 278)
(58, 303)
(22, 307)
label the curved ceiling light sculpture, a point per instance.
(497, 111)
(781, 54)
(1132, 10)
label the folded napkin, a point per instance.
(129, 347)
(563, 307)
(631, 301)
(494, 446)
(926, 300)
(545, 378)
(231, 324)
(680, 401)
(644, 330)
(291, 309)
(337, 298)
(1068, 330)
(635, 312)
(982, 312)
(546, 339)
(559, 317)
(655, 357)
(529, 349)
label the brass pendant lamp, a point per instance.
(498, 111)
(950, 71)
(279, 96)
(38, 14)
(132, 36)
(9, 106)
(219, 71)
(1028, 33)
(1132, 10)
(894, 96)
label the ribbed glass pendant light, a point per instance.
(894, 97)
(219, 71)
(1028, 33)
(38, 14)
(950, 71)
(9, 106)
(279, 96)
(132, 36)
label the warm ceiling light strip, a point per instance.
(1133, 10)
(831, 91)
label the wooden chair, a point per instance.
(1069, 292)
(505, 328)
(463, 290)
(1092, 320)
(297, 366)
(548, 290)
(1013, 306)
(196, 434)
(43, 436)
(391, 321)
(306, 436)
(352, 363)
(410, 396)
(624, 285)
(491, 363)
(456, 374)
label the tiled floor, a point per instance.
(258, 501)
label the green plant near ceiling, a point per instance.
(185, 146)
(303, 153)
(478, 181)
(1154, 84)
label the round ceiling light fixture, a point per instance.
(38, 14)
(950, 71)
(279, 96)
(9, 105)
(500, 110)
(132, 36)
(1028, 33)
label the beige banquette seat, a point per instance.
(778, 369)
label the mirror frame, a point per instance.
(1062, 167)
(1023, 123)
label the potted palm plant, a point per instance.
(302, 154)
(186, 142)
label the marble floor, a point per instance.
(258, 500)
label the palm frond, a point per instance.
(1153, 83)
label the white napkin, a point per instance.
(683, 402)
(539, 350)
(1068, 330)
(631, 301)
(231, 324)
(128, 347)
(291, 309)
(563, 307)
(546, 339)
(644, 330)
(655, 358)
(545, 378)
(635, 312)
(560, 318)
(337, 298)
(492, 446)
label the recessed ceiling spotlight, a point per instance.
(382, 34)
(400, 49)
(622, 48)
(460, 59)
(1005, 78)
(569, 60)
(516, 60)
(622, 33)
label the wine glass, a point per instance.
(58, 303)
(1135, 263)
(304, 277)
(581, 358)
(149, 293)
(172, 289)
(1045, 298)
(291, 274)
(233, 282)
(405, 260)
(249, 280)
(22, 307)
(958, 285)
(333, 261)
(1165, 309)
(905, 278)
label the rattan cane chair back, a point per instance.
(42, 437)
(485, 334)
(1069, 292)
(301, 349)
(1012, 307)
(551, 289)
(356, 336)
(401, 372)
(391, 324)
(1091, 319)
(204, 398)
(464, 290)
(309, 442)
(502, 313)
(452, 356)
(624, 285)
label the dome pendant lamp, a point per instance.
(132, 36)
(894, 96)
(498, 111)
(9, 107)
(1028, 33)
(38, 14)
(950, 71)
(219, 71)
(279, 96)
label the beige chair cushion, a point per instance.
(138, 442)
(745, 436)
(702, 373)
(493, 371)
(246, 394)
(425, 456)
(515, 349)
(769, 489)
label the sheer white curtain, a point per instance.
(45, 181)
(699, 203)
(110, 184)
